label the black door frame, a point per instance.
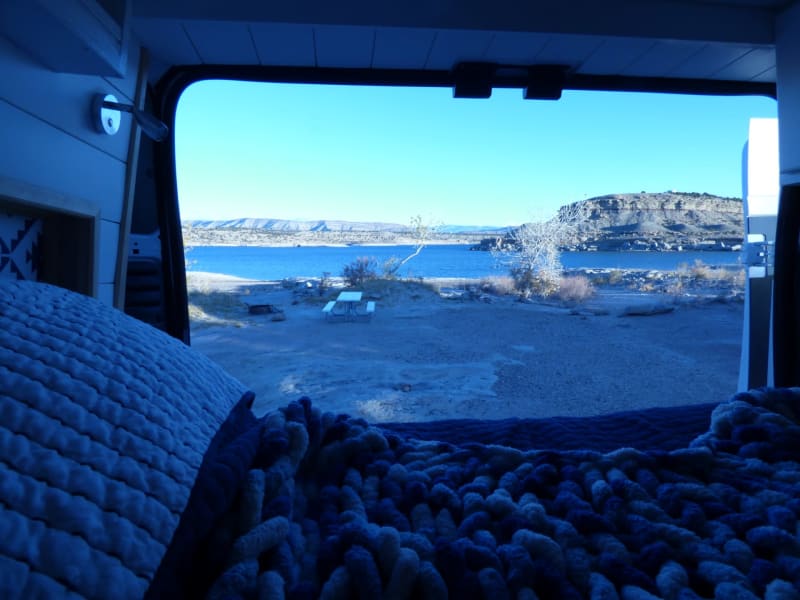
(168, 90)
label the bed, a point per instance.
(133, 467)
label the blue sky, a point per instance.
(388, 154)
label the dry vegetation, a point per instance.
(688, 279)
(394, 290)
(701, 272)
(210, 304)
(499, 285)
(215, 308)
(575, 289)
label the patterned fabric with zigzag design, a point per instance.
(20, 247)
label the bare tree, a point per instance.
(421, 232)
(535, 262)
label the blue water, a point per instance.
(269, 263)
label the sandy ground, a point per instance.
(424, 357)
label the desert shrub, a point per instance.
(577, 288)
(499, 285)
(675, 288)
(529, 282)
(390, 267)
(700, 270)
(615, 276)
(360, 270)
(324, 283)
(738, 278)
(722, 275)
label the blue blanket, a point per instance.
(651, 429)
(333, 507)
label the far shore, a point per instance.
(323, 244)
(443, 349)
(261, 238)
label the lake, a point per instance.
(275, 263)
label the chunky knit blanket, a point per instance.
(336, 508)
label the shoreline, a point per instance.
(456, 242)
(452, 261)
(716, 277)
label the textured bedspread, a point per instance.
(340, 509)
(104, 423)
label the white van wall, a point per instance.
(48, 143)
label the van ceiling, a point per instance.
(716, 40)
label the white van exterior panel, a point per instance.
(762, 182)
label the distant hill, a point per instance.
(282, 232)
(288, 226)
(652, 221)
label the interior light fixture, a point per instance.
(473, 80)
(106, 116)
(545, 82)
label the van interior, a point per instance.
(135, 466)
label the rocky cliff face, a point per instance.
(668, 218)
(648, 221)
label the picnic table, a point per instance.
(347, 306)
(350, 302)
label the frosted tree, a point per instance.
(535, 263)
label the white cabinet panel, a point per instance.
(62, 100)
(36, 152)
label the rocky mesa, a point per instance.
(648, 221)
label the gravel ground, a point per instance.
(423, 357)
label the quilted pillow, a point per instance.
(104, 424)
